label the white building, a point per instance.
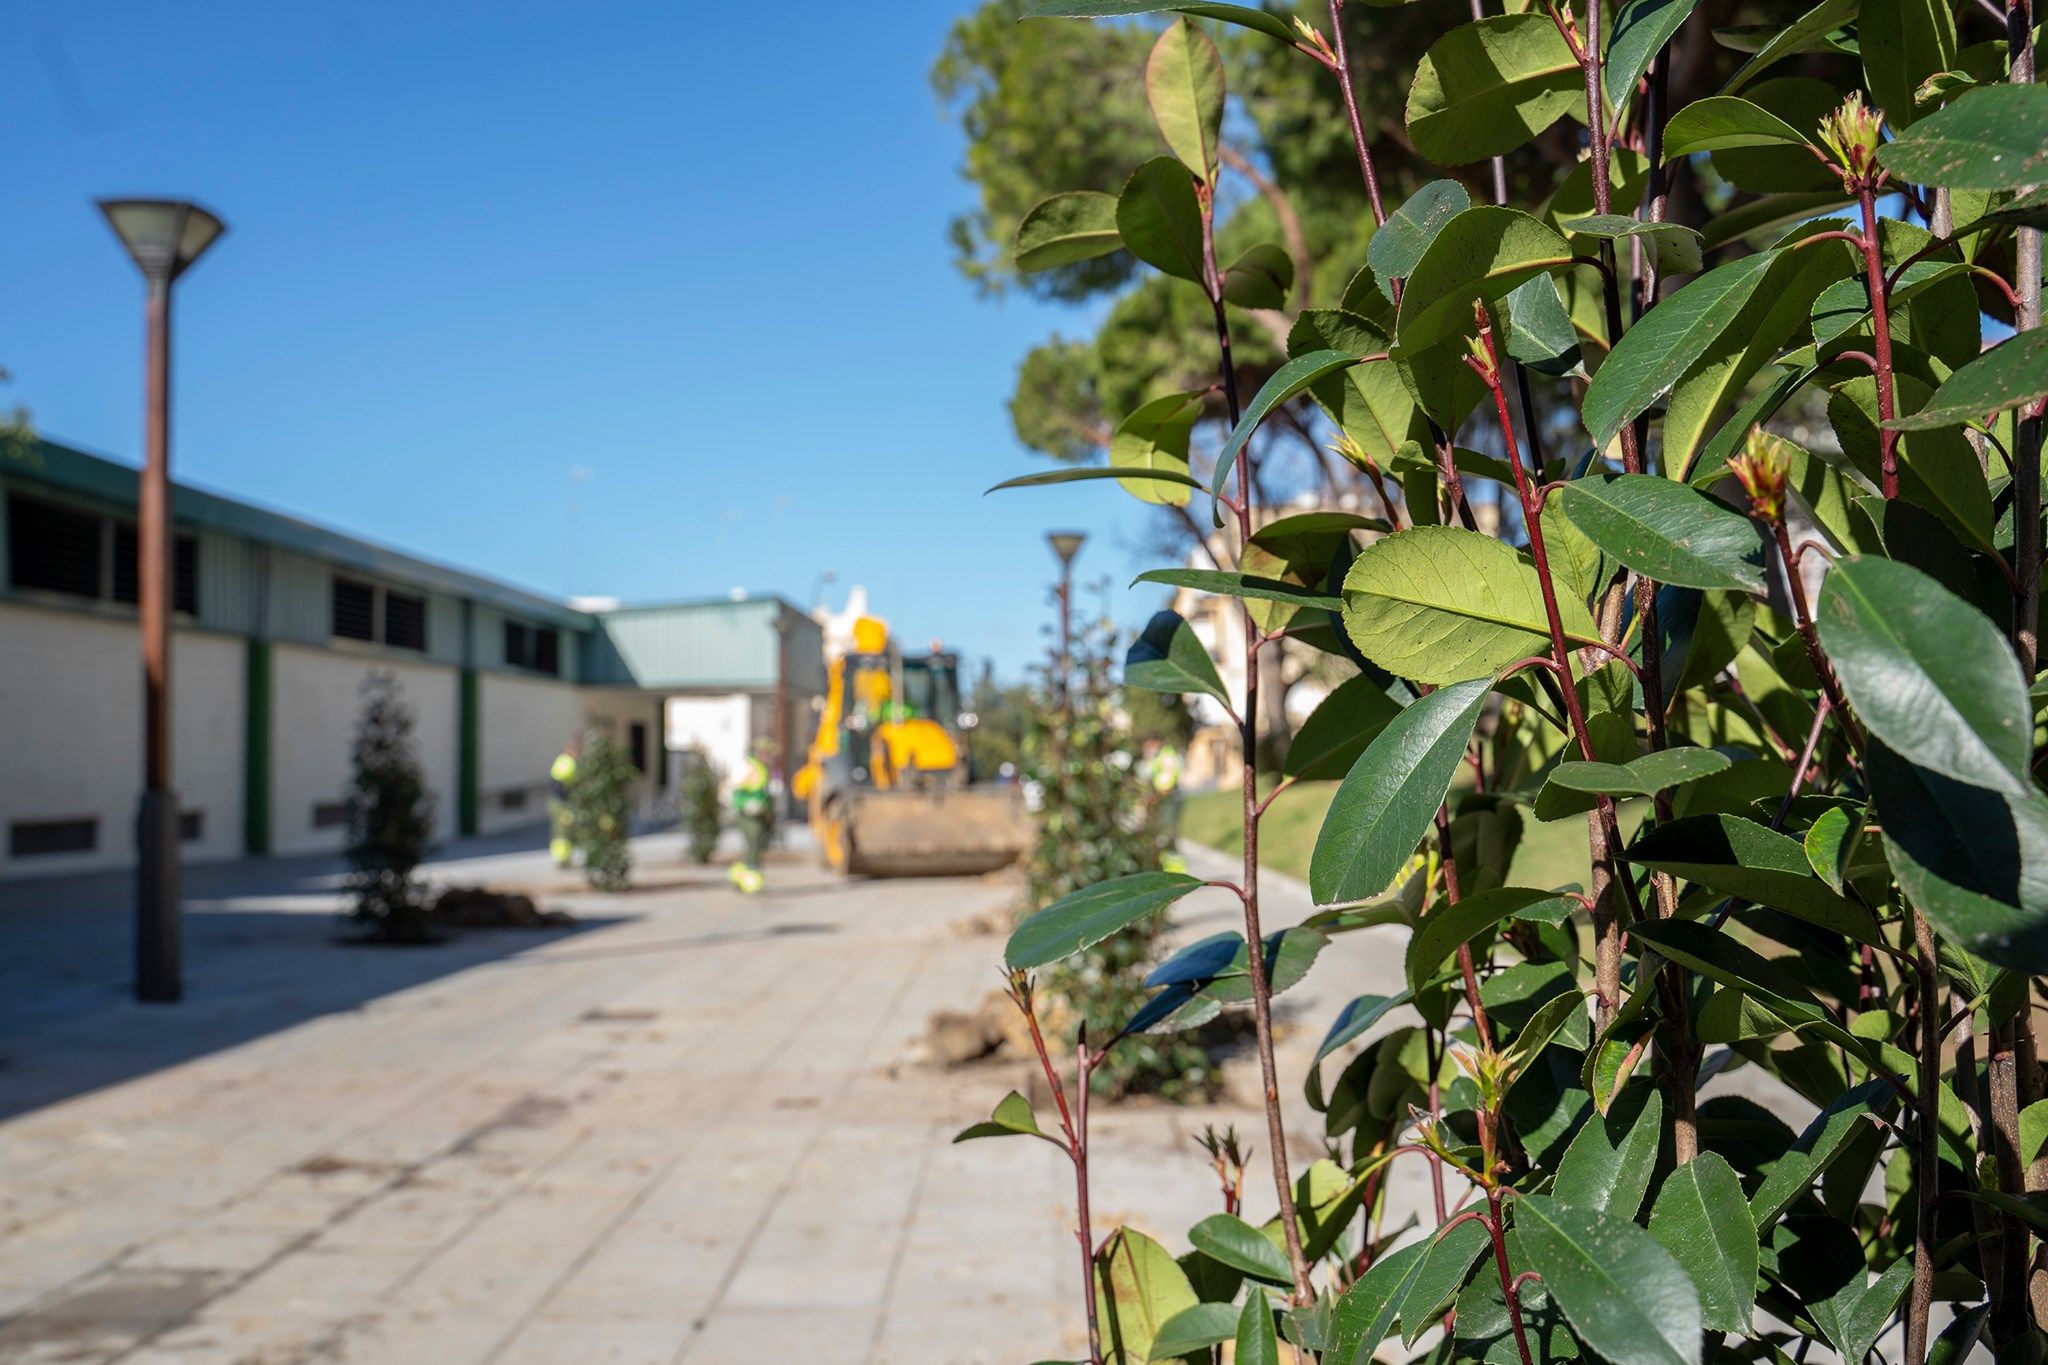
(277, 622)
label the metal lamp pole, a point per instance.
(1065, 545)
(163, 237)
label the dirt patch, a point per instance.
(609, 1016)
(484, 907)
(109, 1313)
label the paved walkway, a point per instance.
(691, 1129)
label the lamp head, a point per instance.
(163, 236)
(1066, 544)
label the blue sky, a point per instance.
(696, 250)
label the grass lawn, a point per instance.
(1550, 854)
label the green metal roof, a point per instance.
(74, 471)
(700, 645)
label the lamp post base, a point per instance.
(157, 937)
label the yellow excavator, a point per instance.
(886, 782)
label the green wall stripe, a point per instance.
(256, 728)
(468, 729)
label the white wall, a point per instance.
(524, 723)
(620, 708)
(316, 700)
(721, 726)
(71, 733)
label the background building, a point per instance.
(277, 623)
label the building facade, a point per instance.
(277, 623)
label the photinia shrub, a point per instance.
(1716, 534)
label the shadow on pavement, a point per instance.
(265, 949)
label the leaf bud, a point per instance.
(1761, 469)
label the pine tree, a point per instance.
(601, 810)
(1096, 823)
(703, 812)
(390, 816)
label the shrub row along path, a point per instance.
(693, 1128)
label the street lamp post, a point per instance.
(163, 237)
(1066, 544)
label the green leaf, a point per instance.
(1445, 1268)
(1360, 1015)
(1289, 381)
(1825, 1138)
(1441, 604)
(1927, 673)
(1092, 914)
(1903, 42)
(1160, 219)
(1369, 402)
(1012, 1118)
(1714, 955)
(1995, 138)
(1367, 1311)
(1167, 656)
(1194, 1330)
(1800, 35)
(1739, 857)
(1641, 29)
(1622, 1292)
(1389, 798)
(1256, 1342)
(1768, 212)
(1667, 531)
(1481, 254)
(1154, 440)
(1227, 584)
(1540, 333)
(1141, 1288)
(1974, 861)
(1047, 477)
(1184, 87)
(1961, 1336)
(1938, 469)
(1855, 1316)
(1441, 931)
(1067, 228)
(1260, 278)
(1245, 16)
(2033, 1130)
(1750, 339)
(1645, 776)
(1719, 122)
(1337, 731)
(1829, 842)
(1487, 87)
(1608, 1166)
(1703, 1220)
(1674, 247)
(2013, 372)
(1409, 229)
(1289, 954)
(1652, 355)
(1551, 1018)
(1237, 1244)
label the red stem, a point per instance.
(1881, 330)
(1508, 1281)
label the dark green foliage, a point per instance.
(390, 816)
(601, 810)
(1791, 696)
(703, 811)
(1098, 823)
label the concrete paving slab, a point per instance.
(693, 1128)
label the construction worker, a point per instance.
(561, 819)
(755, 809)
(1161, 767)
